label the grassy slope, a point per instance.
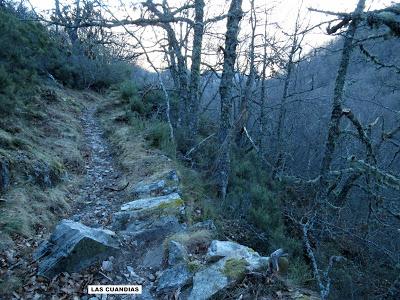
(135, 159)
(41, 139)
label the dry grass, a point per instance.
(136, 159)
(46, 132)
(196, 242)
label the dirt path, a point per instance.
(101, 193)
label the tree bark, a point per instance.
(228, 73)
(195, 69)
(282, 108)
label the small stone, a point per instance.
(10, 255)
(158, 273)
(132, 273)
(152, 277)
(140, 280)
(107, 266)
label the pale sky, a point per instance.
(284, 14)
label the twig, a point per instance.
(255, 147)
(101, 273)
(198, 145)
(250, 139)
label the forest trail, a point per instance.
(129, 225)
(100, 193)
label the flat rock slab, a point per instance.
(210, 281)
(73, 247)
(176, 253)
(167, 183)
(145, 190)
(173, 278)
(173, 199)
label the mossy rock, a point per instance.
(235, 268)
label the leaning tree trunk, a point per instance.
(336, 113)
(228, 73)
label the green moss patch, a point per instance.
(235, 268)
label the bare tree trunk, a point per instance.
(282, 109)
(195, 68)
(241, 123)
(174, 46)
(263, 110)
(228, 73)
(336, 114)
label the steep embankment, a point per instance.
(42, 159)
(40, 144)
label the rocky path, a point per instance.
(100, 193)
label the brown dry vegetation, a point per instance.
(42, 139)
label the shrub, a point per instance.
(158, 135)
(127, 90)
(138, 106)
(155, 101)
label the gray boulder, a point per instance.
(161, 202)
(173, 278)
(176, 253)
(233, 262)
(220, 249)
(168, 184)
(209, 281)
(152, 230)
(73, 247)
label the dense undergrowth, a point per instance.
(38, 53)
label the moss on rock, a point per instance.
(235, 268)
